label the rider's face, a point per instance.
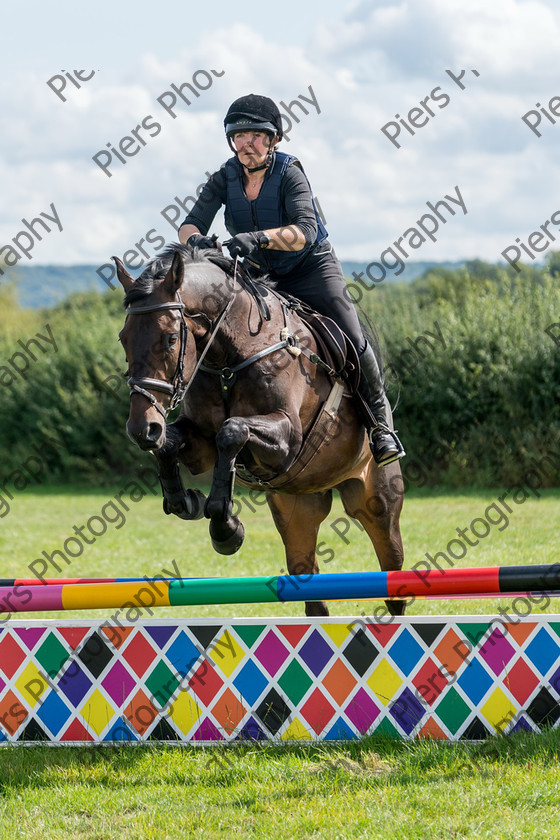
(252, 147)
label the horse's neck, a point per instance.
(207, 295)
(207, 290)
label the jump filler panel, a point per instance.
(207, 681)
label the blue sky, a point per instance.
(362, 62)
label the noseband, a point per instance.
(175, 388)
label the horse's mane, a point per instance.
(157, 268)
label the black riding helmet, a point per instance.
(253, 113)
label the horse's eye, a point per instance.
(171, 339)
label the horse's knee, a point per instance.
(233, 434)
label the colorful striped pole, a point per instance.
(147, 593)
(34, 581)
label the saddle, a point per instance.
(337, 353)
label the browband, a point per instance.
(138, 310)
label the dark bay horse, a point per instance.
(252, 403)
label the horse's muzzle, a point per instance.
(148, 435)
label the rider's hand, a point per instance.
(246, 243)
(197, 240)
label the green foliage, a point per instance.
(60, 410)
(481, 408)
(15, 322)
(475, 411)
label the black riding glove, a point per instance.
(246, 243)
(197, 240)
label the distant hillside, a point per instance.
(47, 285)
(411, 271)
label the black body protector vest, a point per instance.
(265, 212)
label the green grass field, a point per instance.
(143, 541)
(501, 788)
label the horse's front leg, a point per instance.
(270, 438)
(182, 443)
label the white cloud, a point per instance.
(375, 61)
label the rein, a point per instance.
(176, 388)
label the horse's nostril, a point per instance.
(154, 431)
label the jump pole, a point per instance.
(433, 583)
(126, 679)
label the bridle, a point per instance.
(176, 388)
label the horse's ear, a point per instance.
(174, 277)
(125, 279)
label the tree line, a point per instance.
(471, 363)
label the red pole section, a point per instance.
(449, 582)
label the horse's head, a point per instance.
(160, 349)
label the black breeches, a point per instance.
(321, 284)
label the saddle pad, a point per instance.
(335, 348)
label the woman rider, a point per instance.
(270, 212)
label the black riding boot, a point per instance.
(384, 443)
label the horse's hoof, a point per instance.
(189, 505)
(316, 608)
(396, 607)
(231, 543)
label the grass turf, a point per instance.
(142, 541)
(501, 788)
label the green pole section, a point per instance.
(235, 590)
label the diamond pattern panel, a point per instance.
(11, 655)
(95, 654)
(202, 682)
(543, 651)
(497, 651)
(316, 652)
(360, 652)
(498, 709)
(317, 711)
(384, 682)
(430, 680)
